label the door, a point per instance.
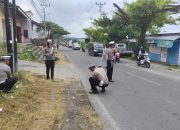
(19, 37)
(163, 54)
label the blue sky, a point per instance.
(74, 15)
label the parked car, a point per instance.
(76, 46)
(95, 48)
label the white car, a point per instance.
(75, 46)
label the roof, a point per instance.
(36, 23)
(22, 14)
(171, 38)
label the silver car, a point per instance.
(75, 46)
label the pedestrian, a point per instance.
(57, 46)
(110, 61)
(99, 78)
(6, 80)
(49, 59)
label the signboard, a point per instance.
(164, 43)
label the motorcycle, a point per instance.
(143, 60)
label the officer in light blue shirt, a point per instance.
(6, 81)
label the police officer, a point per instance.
(110, 61)
(99, 78)
(6, 81)
(49, 59)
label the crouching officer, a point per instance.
(6, 81)
(99, 78)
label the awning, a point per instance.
(164, 43)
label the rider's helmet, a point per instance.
(142, 49)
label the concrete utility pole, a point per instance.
(15, 35)
(100, 7)
(44, 6)
(8, 32)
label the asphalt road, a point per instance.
(139, 99)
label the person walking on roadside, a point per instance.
(110, 61)
(49, 59)
(99, 78)
(6, 80)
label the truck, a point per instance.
(123, 49)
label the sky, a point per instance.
(74, 15)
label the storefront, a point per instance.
(165, 48)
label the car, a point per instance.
(76, 46)
(95, 48)
(70, 45)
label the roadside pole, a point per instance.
(8, 32)
(15, 35)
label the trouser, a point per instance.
(95, 82)
(109, 69)
(50, 64)
(8, 84)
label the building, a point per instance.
(26, 27)
(165, 48)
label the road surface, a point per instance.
(139, 99)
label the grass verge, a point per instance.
(35, 105)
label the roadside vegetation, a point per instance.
(33, 104)
(26, 53)
(135, 20)
(3, 49)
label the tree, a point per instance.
(54, 31)
(148, 15)
(105, 29)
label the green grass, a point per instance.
(27, 55)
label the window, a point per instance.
(26, 33)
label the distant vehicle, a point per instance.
(70, 45)
(95, 48)
(123, 49)
(75, 46)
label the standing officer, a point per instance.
(110, 60)
(6, 81)
(49, 59)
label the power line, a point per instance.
(36, 8)
(100, 7)
(44, 5)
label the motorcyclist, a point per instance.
(141, 54)
(117, 55)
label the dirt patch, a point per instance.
(40, 104)
(79, 114)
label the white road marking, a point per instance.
(147, 80)
(107, 114)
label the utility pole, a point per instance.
(15, 35)
(8, 32)
(44, 6)
(100, 7)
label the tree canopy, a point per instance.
(54, 30)
(148, 15)
(136, 19)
